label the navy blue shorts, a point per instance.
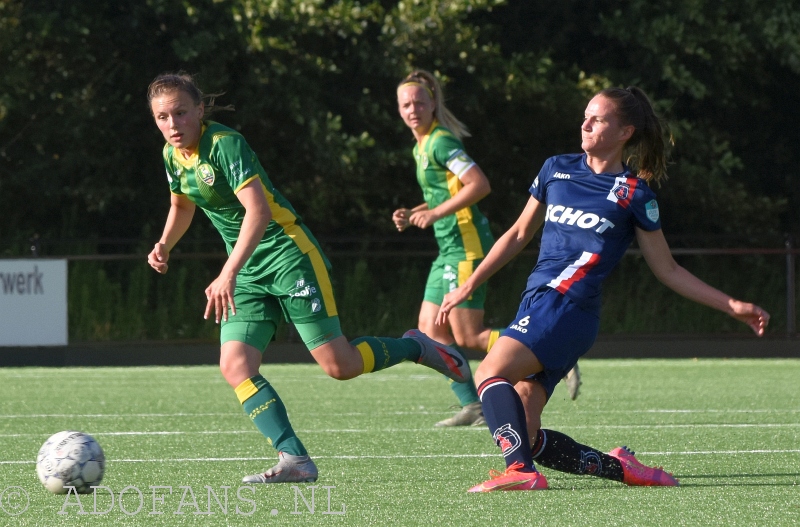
(556, 330)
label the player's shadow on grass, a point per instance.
(726, 480)
(721, 480)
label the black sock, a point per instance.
(560, 452)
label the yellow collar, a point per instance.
(189, 162)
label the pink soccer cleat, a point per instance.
(512, 479)
(636, 474)
(441, 358)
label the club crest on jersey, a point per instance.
(423, 160)
(622, 191)
(651, 208)
(507, 439)
(206, 173)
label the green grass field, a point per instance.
(729, 429)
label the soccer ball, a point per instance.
(70, 458)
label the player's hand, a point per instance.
(400, 219)
(220, 295)
(451, 300)
(423, 218)
(750, 314)
(158, 258)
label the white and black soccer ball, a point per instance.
(70, 458)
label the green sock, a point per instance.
(380, 353)
(465, 391)
(264, 407)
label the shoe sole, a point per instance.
(510, 486)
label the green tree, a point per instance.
(314, 82)
(723, 73)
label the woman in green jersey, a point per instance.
(452, 184)
(275, 269)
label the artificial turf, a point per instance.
(728, 429)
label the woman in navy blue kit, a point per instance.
(592, 205)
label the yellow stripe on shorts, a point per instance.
(324, 281)
(493, 336)
(245, 390)
(464, 272)
(367, 355)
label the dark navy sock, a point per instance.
(560, 452)
(505, 417)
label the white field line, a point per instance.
(464, 429)
(201, 370)
(412, 456)
(571, 412)
(114, 416)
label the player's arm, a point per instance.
(658, 256)
(256, 219)
(475, 187)
(502, 252)
(181, 212)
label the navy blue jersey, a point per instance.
(589, 225)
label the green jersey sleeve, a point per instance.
(237, 161)
(448, 152)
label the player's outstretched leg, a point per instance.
(379, 353)
(573, 382)
(441, 358)
(558, 451)
(640, 475)
(290, 469)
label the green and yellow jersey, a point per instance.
(210, 178)
(441, 161)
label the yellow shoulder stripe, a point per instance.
(245, 182)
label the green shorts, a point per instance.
(299, 291)
(446, 275)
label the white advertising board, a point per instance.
(33, 302)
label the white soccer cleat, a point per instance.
(469, 415)
(290, 469)
(573, 382)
